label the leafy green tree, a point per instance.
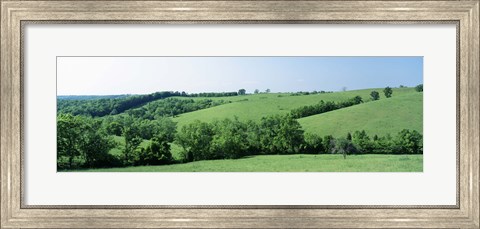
(281, 134)
(344, 147)
(241, 91)
(357, 100)
(95, 144)
(383, 145)
(256, 91)
(195, 139)
(267, 91)
(230, 139)
(114, 128)
(313, 144)
(132, 139)
(328, 143)
(156, 153)
(419, 88)
(253, 137)
(69, 137)
(362, 141)
(409, 141)
(388, 92)
(374, 95)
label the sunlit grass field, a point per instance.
(256, 106)
(291, 163)
(404, 110)
(382, 117)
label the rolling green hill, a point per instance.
(386, 116)
(254, 107)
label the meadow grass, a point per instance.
(386, 116)
(291, 163)
(256, 106)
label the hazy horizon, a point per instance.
(99, 76)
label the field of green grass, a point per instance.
(254, 107)
(291, 163)
(386, 116)
(404, 110)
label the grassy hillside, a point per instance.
(292, 163)
(254, 107)
(377, 117)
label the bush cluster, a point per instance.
(323, 107)
(232, 138)
(172, 107)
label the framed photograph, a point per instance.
(240, 114)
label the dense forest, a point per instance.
(86, 130)
(111, 106)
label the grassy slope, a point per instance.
(403, 110)
(377, 117)
(259, 105)
(292, 163)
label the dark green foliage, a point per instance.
(375, 95)
(328, 143)
(388, 92)
(409, 141)
(172, 107)
(230, 140)
(106, 106)
(362, 142)
(419, 88)
(69, 130)
(298, 93)
(132, 139)
(156, 153)
(323, 107)
(195, 139)
(383, 145)
(344, 147)
(81, 142)
(114, 128)
(256, 91)
(241, 91)
(111, 106)
(313, 144)
(213, 94)
(95, 145)
(281, 134)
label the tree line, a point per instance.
(84, 142)
(323, 107)
(111, 106)
(172, 107)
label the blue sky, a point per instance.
(141, 75)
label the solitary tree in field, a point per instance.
(388, 92)
(419, 88)
(256, 91)
(375, 95)
(241, 91)
(267, 91)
